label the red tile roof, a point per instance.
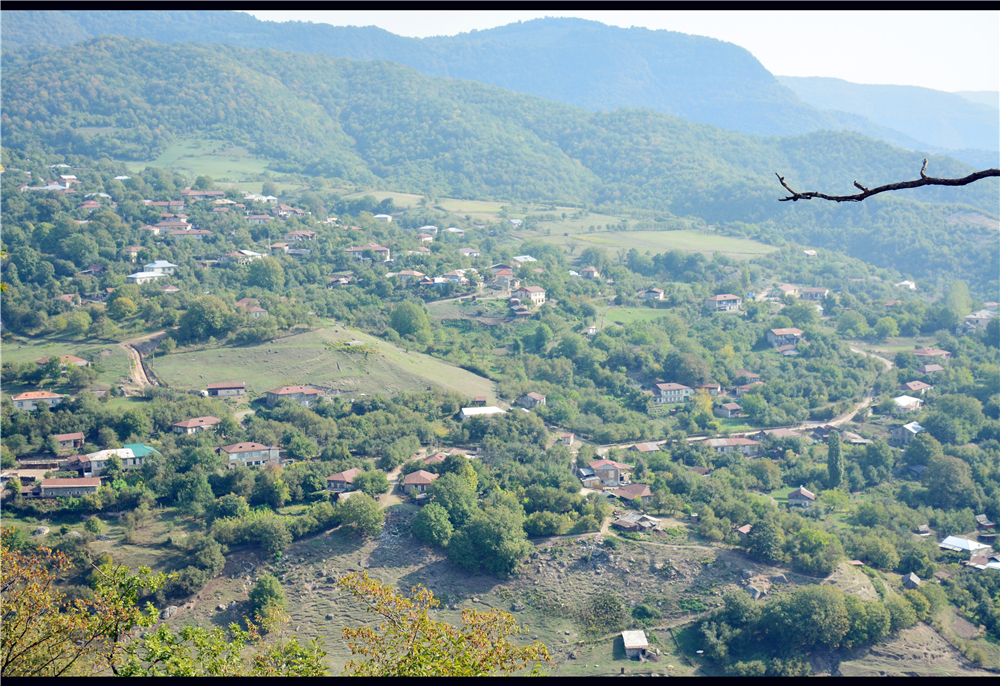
(419, 477)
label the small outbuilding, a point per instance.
(911, 580)
(636, 643)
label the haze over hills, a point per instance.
(587, 64)
(945, 120)
(378, 124)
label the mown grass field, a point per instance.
(307, 358)
(627, 315)
(195, 157)
(109, 357)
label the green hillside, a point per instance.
(379, 125)
(587, 64)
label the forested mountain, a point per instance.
(586, 63)
(945, 120)
(380, 124)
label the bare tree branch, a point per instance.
(924, 180)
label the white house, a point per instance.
(468, 412)
(143, 277)
(386, 218)
(724, 302)
(161, 266)
(907, 403)
(535, 294)
(671, 393)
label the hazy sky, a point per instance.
(945, 50)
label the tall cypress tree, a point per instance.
(834, 460)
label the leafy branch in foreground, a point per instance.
(44, 635)
(924, 180)
(409, 643)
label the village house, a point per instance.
(536, 294)
(645, 448)
(635, 642)
(64, 361)
(29, 400)
(957, 544)
(925, 353)
(724, 302)
(530, 400)
(143, 277)
(814, 293)
(783, 290)
(743, 531)
(132, 252)
(589, 273)
(278, 247)
(381, 253)
(637, 494)
(418, 481)
(94, 464)
(196, 425)
(70, 441)
(342, 481)
(300, 236)
(914, 387)
(730, 445)
(744, 374)
(429, 229)
(650, 294)
(69, 488)
(469, 252)
(516, 223)
(406, 275)
(384, 218)
(468, 412)
(980, 318)
(250, 454)
(161, 266)
(226, 388)
(305, 396)
(906, 404)
(728, 410)
(713, 388)
(747, 388)
(169, 289)
(664, 393)
(505, 279)
(610, 473)
(763, 435)
(71, 299)
(566, 439)
(258, 219)
(636, 522)
(809, 253)
(779, 337)
(909, 285)
(800, 497)
(983, 523)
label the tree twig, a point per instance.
(924, 180)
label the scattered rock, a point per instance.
(103, 537)
(221, 608)
(329, 617)
(517, 607)
(754, 592)
(779, 579)
(747, 573)
(168, 612)
(72, 534)
(40, 531)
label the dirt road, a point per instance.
(132, 347)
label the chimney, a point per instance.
(623, 671)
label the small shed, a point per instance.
(911, 580)
(636, 643)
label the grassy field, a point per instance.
(308, 358)
(109, 357)
(194, 157)
(627, 315)
(662, 241)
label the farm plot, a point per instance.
(317, 357)
(663, 241)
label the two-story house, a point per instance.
(196, 425)
(305, 396)
(724, 302)
(29, 400)
(671, 393)
(250, 454)
(779, 337)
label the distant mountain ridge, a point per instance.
(945, 120)
(587, 64)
